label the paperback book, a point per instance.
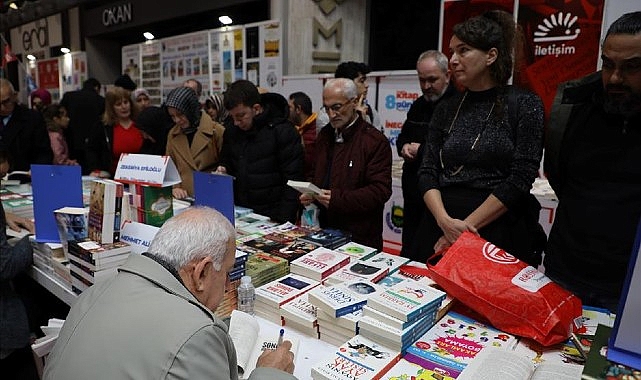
(319, 263)
(282, 290)
(406, 300)
(357, 359)
(404, 370)
(300, 311)
(358, 271)
(392, 261)
(327, 237)
(338, 300)
(453, 343)
(357, 251)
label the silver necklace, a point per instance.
(476, 140)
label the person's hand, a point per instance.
(179, 193)
(306, 199)
(453, 228)
(17, 223)
(324, 197)
(280, 358)
(221, 169)
(409, 151)
(441, 244)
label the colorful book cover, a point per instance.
(284, 289)
(357, 251)
(358, 271)
(319, 263)
(293, 250)
(453, 342)
(357, 359)
(392, 261)
(404, 370)
(342, 299)
(328, 238)
(406, 300)
(157, 204)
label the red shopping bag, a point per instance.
(512, 295)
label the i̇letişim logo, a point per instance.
(555, 28)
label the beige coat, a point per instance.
(203, 155)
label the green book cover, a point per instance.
(598, 367)
(157, 204)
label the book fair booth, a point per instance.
(350, 310)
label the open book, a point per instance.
(493, 363)
(250, 342)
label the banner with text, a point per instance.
(396, 94)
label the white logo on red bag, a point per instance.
(497, 255)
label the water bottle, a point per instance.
(246, 295)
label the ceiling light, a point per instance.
(31, 57)
(13, 6)
(148, 35)
(225, 20)
(65, 50)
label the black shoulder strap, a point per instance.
(512, 107)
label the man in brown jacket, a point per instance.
(353, 167)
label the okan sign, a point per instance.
(118, 14)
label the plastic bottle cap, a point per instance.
(246, 280)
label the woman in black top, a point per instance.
(483, 146)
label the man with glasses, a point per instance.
(23, 133)
(353, 168)
(592, 156)
(262, 150)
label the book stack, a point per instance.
(263, 244)
(358, 271)
(105, 209)
(292, 230)
(238, 270)
(150, 204)
(240, 211)
(393, 332)
(293, 249)
(452, 343)
(264, 268)
(92, 262)
(337, 331)
(255, 224)
(357, 251)
(72, 224)
(327, 237)
(271, 296)
(15, 203)
(319, 263)
(357, 359)
(392, 261)
(230, 299)
(300, 315)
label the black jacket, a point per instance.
(85, 108)
(263, 159)
(100, 147)
(26, 140)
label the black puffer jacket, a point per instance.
(263, 159)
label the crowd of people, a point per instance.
(471, 145)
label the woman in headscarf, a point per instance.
(195, 140)
(215, 108)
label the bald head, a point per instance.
(8, 98)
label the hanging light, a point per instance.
(65, 50)
(148, 36)
(225, 20)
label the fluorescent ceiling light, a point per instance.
(31, 57)
(225, 20)
(13, 6)
(65, 50)
(148, 36)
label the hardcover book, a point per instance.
(357, 359)
(406, 300)
(319, 263)
(453, 343)
(284, 289)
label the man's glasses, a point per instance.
(336, 108)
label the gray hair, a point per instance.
(440, 59)
(347, 86)
(7, 84)
(193, 234)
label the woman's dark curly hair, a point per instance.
(493, 29)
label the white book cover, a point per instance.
(284, 289)
(299, 310)
(337, 300)
(404, 336)
(250, 342)
(304, 187)
(319, 263)
(358, 271)
(392, 261)
(356, 251)
(348, 321)
(357, 359)
(406, 300)
(391, 321)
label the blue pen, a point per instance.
(280, 337)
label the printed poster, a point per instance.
(131, 63)
(151, 71)
(185, 57)
(396, 94)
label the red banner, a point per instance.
(561, 43)
(48, 74)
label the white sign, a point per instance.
(137, 235)
(37, 36)
(147, 169)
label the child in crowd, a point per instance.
(57, 120)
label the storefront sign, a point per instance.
(36, 37)
(119, 14)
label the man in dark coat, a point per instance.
(353, 168)
(262, 150)
(85, 108)
(23, 133)
(434, 79)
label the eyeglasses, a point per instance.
(336, 108)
